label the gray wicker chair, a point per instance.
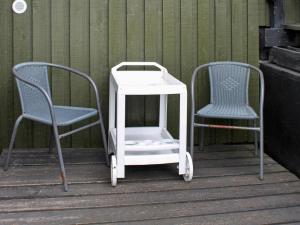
(229, 83)
(37, 105)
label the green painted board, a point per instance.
(22, 51)
(41, 51)
(188, 43)
(172, 56)
(6, 62)
(135, 107)
(153, 52)
(239, 52)
(253, 55)
(60, 48)
(79, 59)
(206, 37)
(223, 52)
(99, 68)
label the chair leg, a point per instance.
(104, 140)
(201, 144)
(192, 137)
(12, 141)
(61, 160)
(255, 139)
(261, 147)
(50, 141)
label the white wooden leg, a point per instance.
(120, 135)
(163, 105)
(182, 133)
(112, 105)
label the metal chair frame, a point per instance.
(202, 125)
(55, 131)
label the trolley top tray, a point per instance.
(145, 82)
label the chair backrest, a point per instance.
(229, 83)
(33, 102)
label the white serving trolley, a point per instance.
(145, 145)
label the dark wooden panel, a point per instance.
(286, 58)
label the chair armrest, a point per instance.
(83, 75)
(195, 74)
(262, 88)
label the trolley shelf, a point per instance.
(147, 139)
(148, 145)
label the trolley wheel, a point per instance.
(188, 176)
(113, 170)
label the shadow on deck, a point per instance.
(225, 190)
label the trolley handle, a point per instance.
(161, 68)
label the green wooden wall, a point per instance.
(292, 10)
(94, 35)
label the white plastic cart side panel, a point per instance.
(120, 135)
(182, 133)
(163, 112)
(112, 103)
(151, 159)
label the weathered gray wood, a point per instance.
(92, 156)
(270, 37)
(225, 184)
(276, 13)
(270, 216)
(146, 198)
(294, 27)
(103, 188)
(151, 211)
(35, 175)
(285, 57)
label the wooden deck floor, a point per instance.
(225, 190)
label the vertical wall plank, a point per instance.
(135, 52)
(206, 37)
(188, 43)
(99, 59)
(171, 55)
(239, 51)
(223, 50)
(153, 52)
(79, 58)
(22, 42)
(41, 50)
(117, 32)
(60, 49)
(253, 54)
(6, 62)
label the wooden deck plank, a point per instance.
(272, 216)
(42, 157)
(225, 190)
(34, 175)
(146, 198)
(151, 211)
(104, 188)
